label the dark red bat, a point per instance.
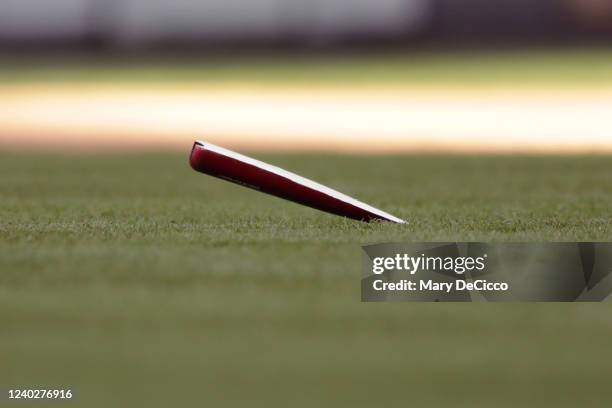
(231, 166)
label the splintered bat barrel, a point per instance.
(245, 171)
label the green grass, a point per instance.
(138, 282)
(538, 67)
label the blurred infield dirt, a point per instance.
(375, 120)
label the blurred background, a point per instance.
(140, 24)
(330, 75)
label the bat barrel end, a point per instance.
(194, 156)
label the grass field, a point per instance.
(138, 282)
(583, 67)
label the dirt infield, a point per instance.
(377, 119)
